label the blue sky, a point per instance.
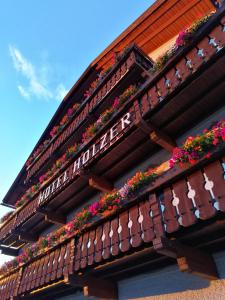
(44, 48)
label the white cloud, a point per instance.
(37, 84)
(60, 92)
(23, 91)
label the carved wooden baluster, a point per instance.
(78, 253)
(172, 79)
(35, 273)
(196, 57)
(153, 96)
(162, 89)
(50, 267)
(106, 240)
(135, 228)
(214, 175)
(69, 259)
(55, 264)
(156, 215)
(118, 75)
(218, 34)
(44, 269)
(200, 196)
(145, 221)
(39, 272)
(208, 47)
(84, 251)
(91, 247)
(29, 275)
(109, 85)
(98, 244)
(113, 80)
(123, 69)
(131, 59)
(168, 211)
(182, 70)
(123, 231)
(145, 104)
(61, 261)
(183, 204)
(104, 90)
(113, 234)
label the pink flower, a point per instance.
(180, 41)
(116, 102)
(93, 208)
(70, 112)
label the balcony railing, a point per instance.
(207, 46)
(133, 60)
(176, 200)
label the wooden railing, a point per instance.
(162, 209)
(206, 46)
(133, 58)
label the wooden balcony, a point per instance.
(172, 215)
(189, 87)
(132, 68)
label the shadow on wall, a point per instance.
(168, 280)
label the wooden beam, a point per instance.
(100, 184)
(163, 140)
(25, 236)
(101, 288)
(93, 287)
(156, 135)
(9, 251)
(52, 217)
(96, 181)
(189, 259)
(28, 237)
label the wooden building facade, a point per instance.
(123, 196)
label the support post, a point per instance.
(189, 259)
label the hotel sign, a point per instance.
(105, 141)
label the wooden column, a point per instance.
(189, 259)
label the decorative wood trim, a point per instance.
(189, 259)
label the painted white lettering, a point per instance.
(86, 156)
(47, 192)
(94, 151)
(58, 182)
(65, 177)
(53, 186)
(113, 132)
(125, 120)
(103, 141)
(41, 197)
(76, 165)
